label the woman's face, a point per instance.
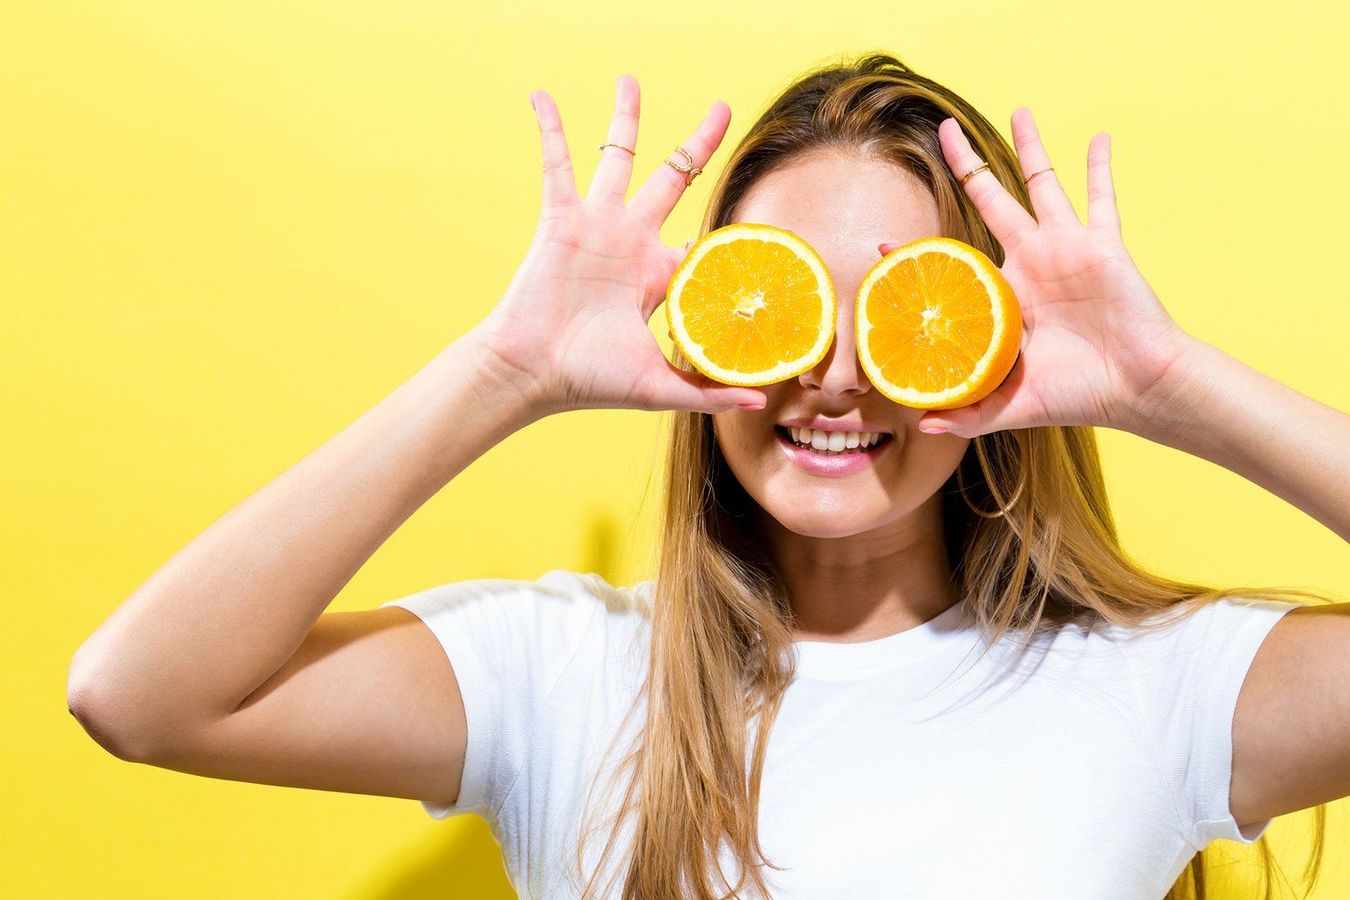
(843, 206)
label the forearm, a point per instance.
(1214, 406)
(230, 608)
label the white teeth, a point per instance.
(834, 441)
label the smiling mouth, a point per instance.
(786, 436)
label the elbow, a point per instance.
(102, 715)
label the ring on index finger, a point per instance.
(1027, 180)
(689, 169)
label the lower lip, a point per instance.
(835, 463)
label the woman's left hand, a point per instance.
(1097, 343)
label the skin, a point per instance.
(864, 553)
(302, 697)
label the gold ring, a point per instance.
(980, 168)
(1027, 180)
(620, 146)
(689, 170)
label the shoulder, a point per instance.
(1193, 654)
(589, 589)
(551, 613)
(571, 597)
(1227, 623)
(1170, 645)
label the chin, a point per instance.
(821, 525)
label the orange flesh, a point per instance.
(931, 322)
(752, 305)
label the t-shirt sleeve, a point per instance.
(509, 642)
(1188, 675)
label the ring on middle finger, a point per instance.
(689, 169)
(980, 168)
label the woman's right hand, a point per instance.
(573, 321)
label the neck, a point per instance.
(868, 585)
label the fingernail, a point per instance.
(532, 106)
(749, 405)
(933, 429)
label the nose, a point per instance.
(839, 372)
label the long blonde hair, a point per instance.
(1026, 520)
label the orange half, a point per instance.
(938, 326)
(751, 304)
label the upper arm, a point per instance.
(1291, 728)
(368, 704)
(433, 697)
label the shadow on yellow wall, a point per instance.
(463, 861)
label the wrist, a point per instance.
(1171, 404)
(506, 380)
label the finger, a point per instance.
(1007, 219)
(1047, 194)
(663, 189)
(677, 254)
(610, 182)
(560, 187)
(1006, 407)
(694, 391)
(1102, 209)
(982, 417)
(671, 258)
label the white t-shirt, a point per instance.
(1094, 765)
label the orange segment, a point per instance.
(751, 304)
(938, 326)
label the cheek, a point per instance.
(741, 440)
(926, 465)
(750, 453)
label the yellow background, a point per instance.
(227, 229)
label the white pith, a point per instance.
(784, 369)
(897, 392)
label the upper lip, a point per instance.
(832, 424)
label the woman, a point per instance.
(936, 677)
